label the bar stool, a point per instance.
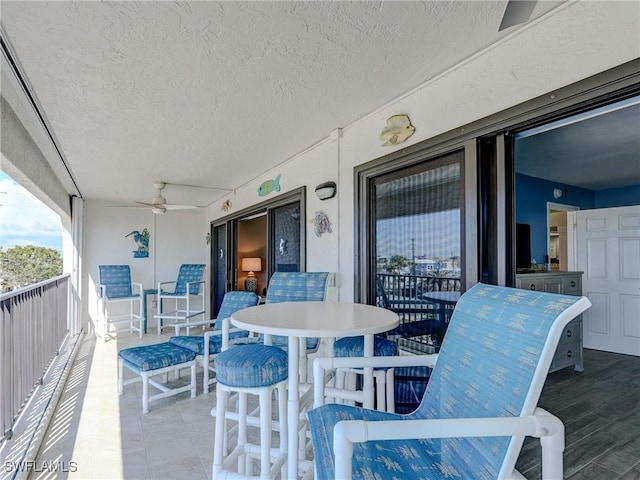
(257, 370)
(384, 377)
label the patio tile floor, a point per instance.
(106, 436)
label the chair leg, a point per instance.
(265, 433)
(205, 375)
(381, 390)
(242, 429)
(120, 376)
(282, 418)
(145, 392)
(219, 439)
(391, 396)
(193, 380)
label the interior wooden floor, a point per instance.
(600, 408)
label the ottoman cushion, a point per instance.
(152, 357)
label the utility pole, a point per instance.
(413, 256)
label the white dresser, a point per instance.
(569, 350)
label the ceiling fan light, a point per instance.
(158, 210)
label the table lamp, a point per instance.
(251, 265)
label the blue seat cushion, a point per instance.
(354, 347)
(389, 459)
(196, 344)
(283, 342)
(152, 357)
(251, 366)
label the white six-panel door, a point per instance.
(607, 245)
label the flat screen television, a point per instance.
(523, 247)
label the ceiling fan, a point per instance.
(516, 13)
(159, 205)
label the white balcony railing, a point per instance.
(33, 325)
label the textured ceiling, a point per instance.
(215, 93)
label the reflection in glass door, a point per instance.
(286, 238)
(219, 261)
(416, 246)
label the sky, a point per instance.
(431, 235)
(25, 220)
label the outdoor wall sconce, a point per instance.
(326, 190)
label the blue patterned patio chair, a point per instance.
(215, 341)
(187, 297)
(298, 287)
(119, 301)
(479, 404)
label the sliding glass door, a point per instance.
(416, 228)
(272, 231)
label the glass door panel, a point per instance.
(286, 238)
(220, 270)
(417, 247)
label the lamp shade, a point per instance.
(252, 264)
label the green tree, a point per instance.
(398, 264)
(22, 266)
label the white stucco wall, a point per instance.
(579, 41)
(176, 238)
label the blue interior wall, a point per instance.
(618, 197)
(532, 195)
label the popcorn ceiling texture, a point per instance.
(218, 93)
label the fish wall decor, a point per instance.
(398, 129)
(269, 186)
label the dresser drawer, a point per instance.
(572, 332)
(536, 284)
(572, 285)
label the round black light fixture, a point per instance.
(326, 190)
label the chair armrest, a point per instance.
(541, 425)
(137, 285)
(160, 284)
(200, 291)
(178, 326)
(321, 364)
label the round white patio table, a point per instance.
(301, 320)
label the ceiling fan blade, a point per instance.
(145, 204)
(181, 207)
(516, 13)
(128, 206)
(198, 186)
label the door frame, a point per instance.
(299, 194)
(364, 287)
(571, 247)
